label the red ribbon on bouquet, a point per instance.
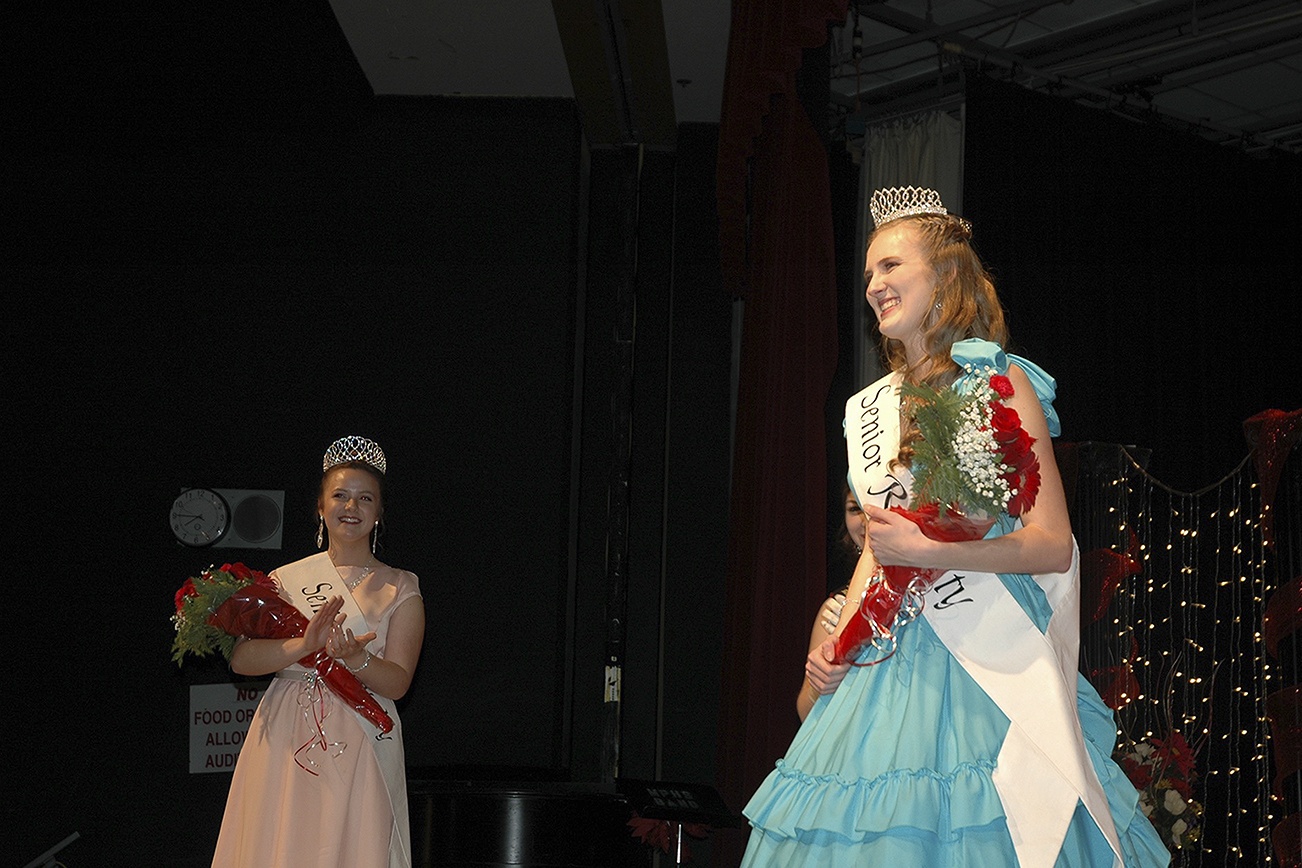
(256, 611)
(883, 599)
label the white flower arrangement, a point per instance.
(1163, 770)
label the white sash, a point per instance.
(1043, 767)
(309, 583)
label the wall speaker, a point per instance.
(257, 519)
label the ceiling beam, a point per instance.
(619, 68)
(936, 32)
(1141, 27)
(1085, 92)
(1149, 25)
(1208, 65)
(1283, 130)
(1219, 57)
(1162, 45)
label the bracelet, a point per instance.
(365, 663)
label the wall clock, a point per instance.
(199, 517)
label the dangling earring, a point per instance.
(375, 535)
(320, 531)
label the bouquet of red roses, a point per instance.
(219, 605)
(972, 461)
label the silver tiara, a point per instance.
(354, 448)
(893, 203)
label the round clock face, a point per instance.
(199, 517)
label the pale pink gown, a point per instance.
(353, 812)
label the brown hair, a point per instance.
(968, 306)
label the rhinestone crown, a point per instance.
(354, 448)
(892, 203)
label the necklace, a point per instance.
(361, 577)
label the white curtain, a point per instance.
(921, 150)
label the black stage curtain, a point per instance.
(777, 254)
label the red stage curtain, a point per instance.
(778, 255)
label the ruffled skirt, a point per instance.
(894, 769)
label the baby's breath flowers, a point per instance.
(973, 457)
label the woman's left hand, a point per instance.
(896, 541)
(342, 644)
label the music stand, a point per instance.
(678, 804)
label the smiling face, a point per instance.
(350, 504)
(900, 283)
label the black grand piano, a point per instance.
(478, 818)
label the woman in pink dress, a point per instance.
(317, 784)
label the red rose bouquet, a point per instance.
(972, 461)
(219, 605)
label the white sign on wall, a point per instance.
(219, 720)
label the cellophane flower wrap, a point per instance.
(220, 605)
(972, 461)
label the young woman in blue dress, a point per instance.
(976, 741)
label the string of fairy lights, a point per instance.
(1186, 620)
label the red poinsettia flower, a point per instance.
(1175, 752)
(1140, 773)
(1002, 385)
